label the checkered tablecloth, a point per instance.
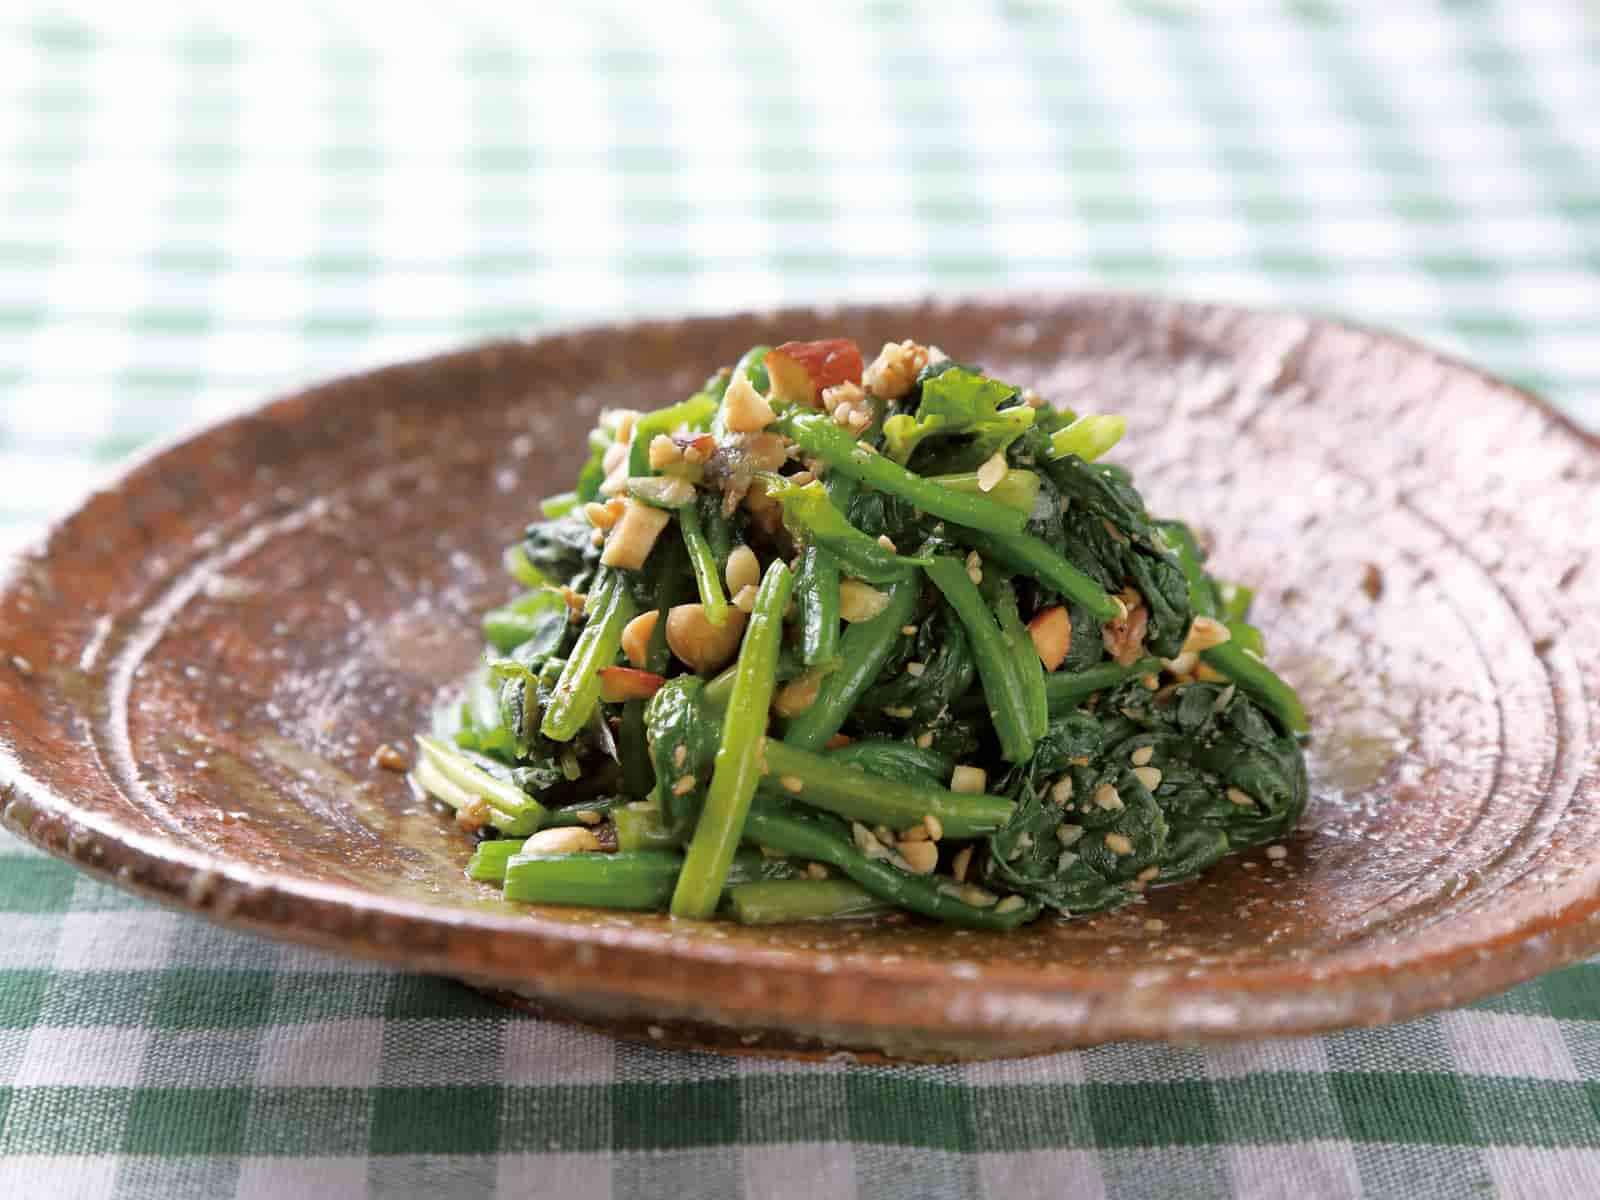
(195, 215)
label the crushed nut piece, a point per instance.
(389, 758)
(959, 864)
(893, 373)
(968, 779)
(1149, 776)
(1119, 844)
(921, 857)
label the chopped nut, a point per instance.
(977, 897)
(1068, 835)
(1242, 798)
(974, 567)
(993, 470)
(745, 599)
(635, 536)
(909, 630)
(565, 839)
(1277, 853)
(683, 786)
(1051, 631)
(743, 570)
(916, 669)
(1154, 924)
(1119, 844)
(1206, 673)
(968, 779)
(702, 646)
(680, 755)
(1105, 796)
(1183, 665)
(615, 456)
(921, 857)
(933, 825)
(1204, 633)
(959, 864)
(1142, 756)
(636, 635)
(603, 516)
(866, 841)
(925, 739)
(887, 543)
(792, 783)
(1061, 791)
(664, 452)
(799, 694)
(860, 601)
(1124, 636)
(1010, 904)
(915, 833)
(1149, 873)
(576, 602)
(389, 758)
(1149, 776)
(816, 870)
(588, 816)
(893, 373)
(745, 410)
(900, 712)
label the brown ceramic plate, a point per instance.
(196, 666)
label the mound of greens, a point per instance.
(829, 639)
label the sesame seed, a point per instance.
(901, 711)
(1146, 875)
(1151, 683)
(909, 630)
(792, 783)
(974, 567)
(886, 542)
(588, 816)
(1118, 844)
(914, 833)
(915, 669)
(1251, 865)
(816, 871)
(684, 786)
(884, 834)
(977, 897)
(925, 739)
(1241, 798)
(1065, 860)
(1061, 791)
(680, 755)
(1068, 835)
(1155, 924)
(1009, 904)
(1105, 796)
(1277, 853)
(1149, 776)
(959, 864)
(1142, 756)
(933, 825)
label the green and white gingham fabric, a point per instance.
(195, 215)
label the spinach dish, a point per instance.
(829, 639)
